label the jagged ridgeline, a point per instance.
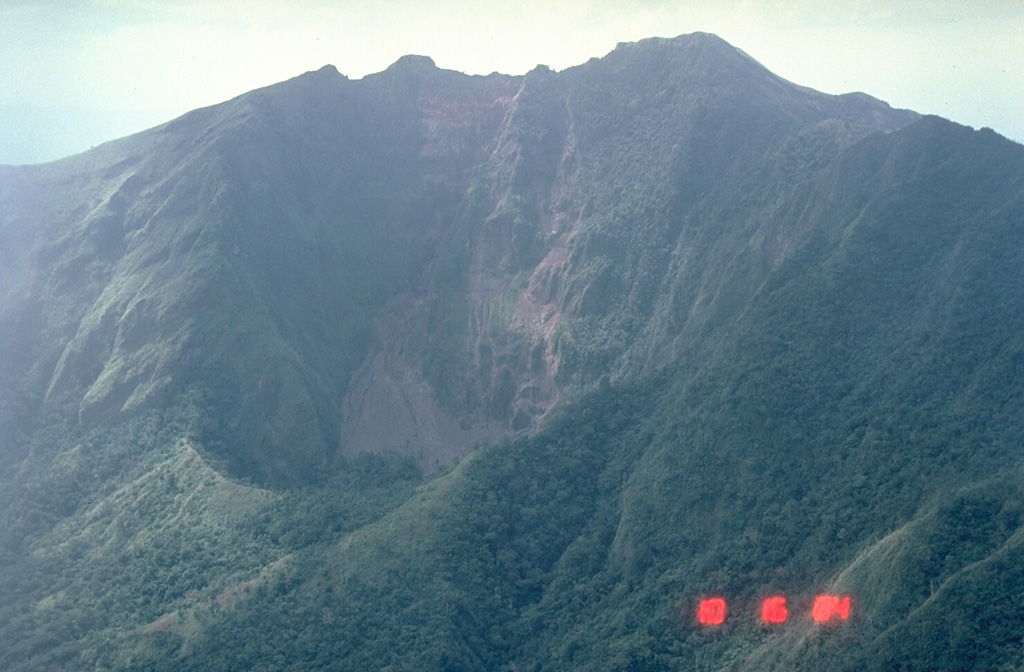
(711, 333)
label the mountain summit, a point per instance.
(434, 371)
(409, 262)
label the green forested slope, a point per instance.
(857, 430)
(788, 341)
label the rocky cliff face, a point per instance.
(599, 225)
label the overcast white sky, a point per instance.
(74, 73)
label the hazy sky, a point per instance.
(75, 73)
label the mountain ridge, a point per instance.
(399, 106)
(431, 371)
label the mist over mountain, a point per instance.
(432, 371)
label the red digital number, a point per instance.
(711, 611)
(829, 607)
(826, 609)
(773, 610)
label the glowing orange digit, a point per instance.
(711, 611)
(773, 610)
(829, 607)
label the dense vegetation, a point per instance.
(788, 349)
